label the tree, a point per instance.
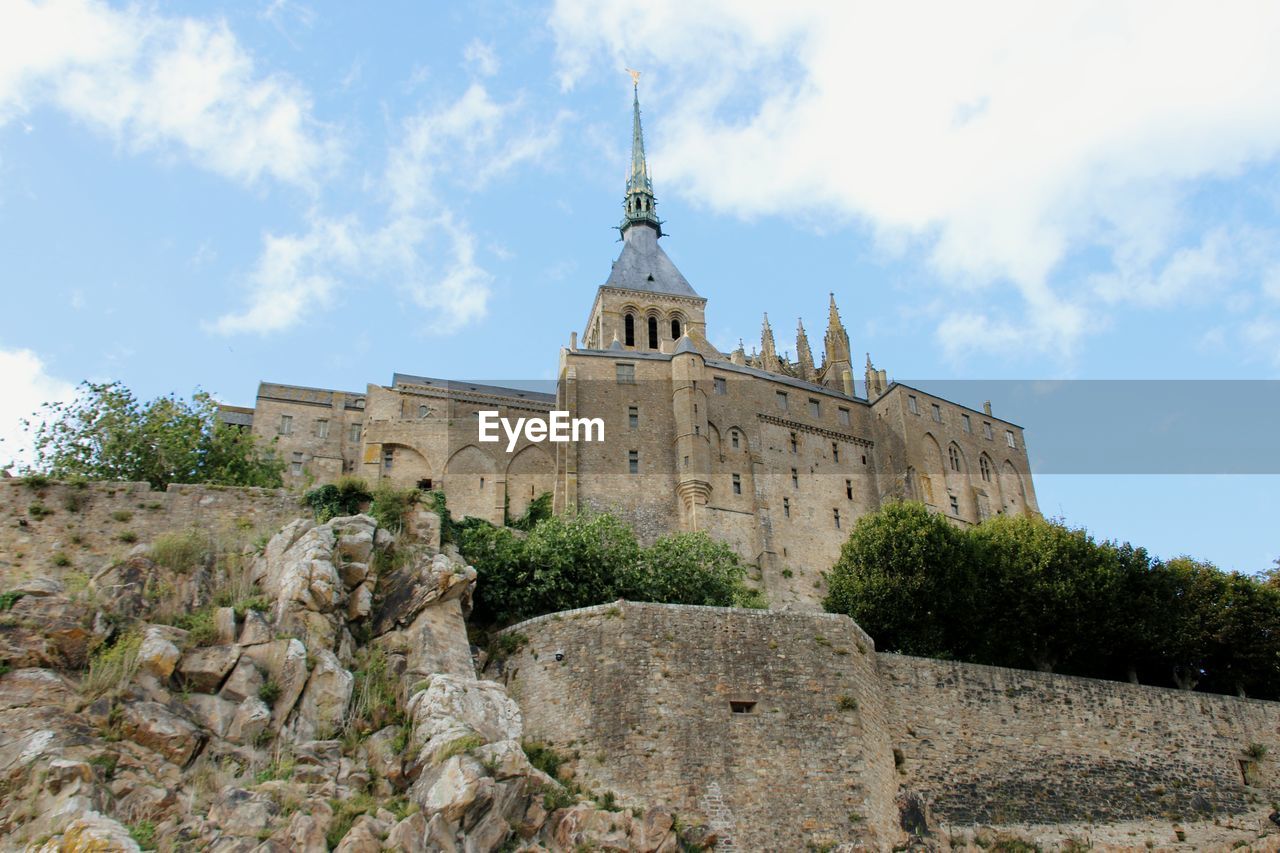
(106, 434)
(1193, 592)
(905, 576)
(687, 568)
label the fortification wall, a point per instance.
(59, 529)
(643, 696)
(1002, 746)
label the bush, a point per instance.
(200, 626)
(182, 552)
(686, 568)
(539, 509)
(391, 505)
(112, 667)
(343, 498)
(269, 692)
(38, 510)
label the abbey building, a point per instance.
(777, 457)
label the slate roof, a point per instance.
(643, 266)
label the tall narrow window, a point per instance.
(721, 387)
(955, 505)
(836, 512)
(912, 404)
(786, 507)
(424, 411)
(815, 408)
(795, 446)
(633, 416)
(782, 400)
(737, 484)
(388, 456)
(986, 430)
(835, 452)
(937, 413)
(286, 424)
(297, 463)
(844, 416)
(355, 432)
(848, 489)
(675, 330)
(653, 333)
(967, 423)
(1008, 438)
(322, 428)
(954, 456)
(985, 467)
(733, 438)
(633, 461)
(629, 330)
(795, 479)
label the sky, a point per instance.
(324, 194)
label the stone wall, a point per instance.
(988, 745)
(646, 694)
(59, 530)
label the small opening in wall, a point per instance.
(425, 485)
(741, 707)
(1246, 767)
(898, 759)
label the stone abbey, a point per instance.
(777, 457)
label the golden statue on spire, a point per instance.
(635, 77)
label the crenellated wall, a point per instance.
(60, 529)
(643, 697)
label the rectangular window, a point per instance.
(844, 416)
(355, 433)
(837, 517)
(286, 424)
(835, 452)
(815, 408)
(795, 446)
(742, 707)
(986, 430)
(633, 416)
(848, 489)
(955, 505)
(388, 456)
(721, 387)
(322, 428)
(1008, 438)
(937, 413)
(966, 423)
(633, 461)
(737, 484)
(912, 405)
(782, 400)
(786, 507)
(795, 478)
(297, 463)
(626, 374)
(733, 436)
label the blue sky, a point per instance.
(325, 194)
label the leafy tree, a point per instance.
(343, 498)
(105, 433)
(1192, 593)
(1247, 655)
(687, 568)
(904, 575)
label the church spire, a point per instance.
(639, 207)
(804, 355)
(836, 341)
(768, 349)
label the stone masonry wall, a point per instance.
(644, 697)
(1001, 746)
(60, 530)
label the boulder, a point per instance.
(91, 831)
(454, 788)
(212, 712)
(488, 834)
(203, 669)
(306, 834)
(224, 622)
(154, 726)
(452, 707)
(409, 835)
(421, 580)
(383, 758)
(256, 629)
(244, 681)
(252, 717)
(360, 601)
(365, 836)
(324, 701)
(285, 663)
(238, 812)
(158, 654)
(355, 537)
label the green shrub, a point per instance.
(558, 797)
(539, 509)
(10, 598)
(375, 697)
(345, 812)
(182, 552)
(466, 743)
(543, 757)
(846, 703)
(144, 833)
(61, 560)
(112, 667)
(122, 515)
(127, 536)
(38, 511)
(343, 498)
(200, 626)
(391, 505)
(269, 692)
(74, 501)
(36, 481)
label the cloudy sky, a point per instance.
(325, 194)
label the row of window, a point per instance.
(966, 423)
(626, 374)
(629, 330)
(319, 428)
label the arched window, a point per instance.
(985, 466)
(954, 455)
(675, 330)
(629, 330)
(653, 333)
(423, 411)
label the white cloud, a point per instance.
(158, 83)
(25, 386)
(481, 58)
(998, 139)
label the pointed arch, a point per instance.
(530, 472)
(1013, 492)
(469, 483)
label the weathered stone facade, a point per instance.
(774, 456)
(791, 731)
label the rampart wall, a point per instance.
(61, 529)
